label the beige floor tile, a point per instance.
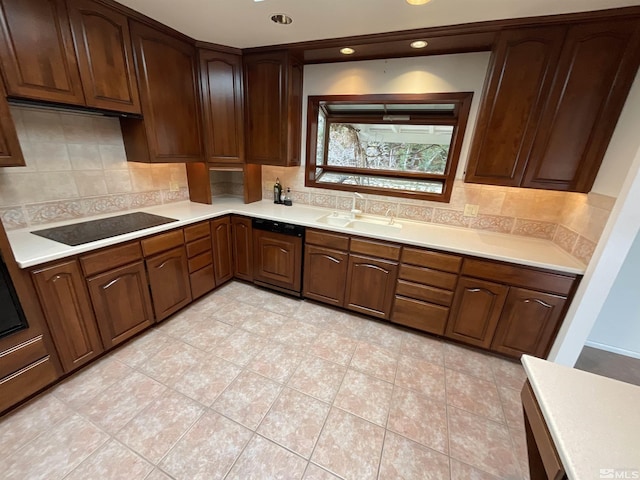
(349, 446)
(263, 460)
(423, 347)
(142, 348)
(113, 461)
(385, 335)
(114, 407)
(56, 452)
(179, 323)
(205, 332)
(295, 421)
(509, 373)
(462, 471)
(512, 407)
(248, 399)
(347, 324)
(314, 472)
(423, 377)
(317, 377)
(276, 361)
(296, 333)
(235, 312)
(158, 474)
(402, 458)
(205, 381)
(365, 396)
(84, 385)
(419, 418)
(27, 422)
(169, 363)
(208, 450)
(263, 322)
(474, 395)
(316, 314)
(375, 360)
(272, 301)
(468, 361)
(154, 431)
(519, 441)
(334, 347)
(481, 443)
(240, 347)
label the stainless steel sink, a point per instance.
(364, 224)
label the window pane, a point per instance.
(406, 148)
(425, 186)
(320, 143)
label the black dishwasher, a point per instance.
(277, 255)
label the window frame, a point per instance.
(457, 118)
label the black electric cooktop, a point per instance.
(91, 231)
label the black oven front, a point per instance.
(12, 317)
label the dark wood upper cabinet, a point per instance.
(169, 95)
(222, 249)
(519, 78)
(103, 44)
(595, 71)
(10, 150)
(273, 108)
(36, 51)
(222, 106)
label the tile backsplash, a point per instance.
(77, 167)
(574, 221)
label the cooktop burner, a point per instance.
(93, 230)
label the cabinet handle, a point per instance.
(538, 301)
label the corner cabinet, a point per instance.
(166, 69)
(273, 108)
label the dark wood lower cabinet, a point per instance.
(424, 316)
(277, 260)
(476, 309)
(371, 285)
(121, 302)
(222, 251)
(67, 309)
(325, 274)
(242, 236)
(169, 282)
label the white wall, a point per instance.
(435, 74)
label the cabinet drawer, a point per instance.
(518, 276)
(162, 242)
(26, 381)
(111, 258)
(202, 281)
(198, 247)
(375, 249)
(324, 239)
(194, 232)
(425, 293)
(427, 276)
(202, 260)
(435, 260)
(420, 315)
(23, 354)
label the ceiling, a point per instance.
(245, 23)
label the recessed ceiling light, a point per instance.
(418, 44)
(417, 2)
(347, 51)
(281, 18)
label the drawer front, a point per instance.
(17, 357)
(519, 276)
(389, 251)
(427, 276)
(162, 242)
(111, 258)
(26, 381)
(420, 315)
(425, 293)
(194, 232)
(202, 260)
(435, 260)
(198, 247)
(202, 281)
(325, 239)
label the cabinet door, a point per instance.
(10, 150)
(121, 303)
(242, 248)
(221, 84)
(325, 274)
(222, 249)
(477, 306)
(595, 71)
(519, 79)
(166, 70)
(277, 259)
(67, 308)
(370, 285)
(102, 41)
(38, 60)
(528, 322)
(169, 282)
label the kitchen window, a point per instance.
(398, 145)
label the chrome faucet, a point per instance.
(392, 216)
(354, 211)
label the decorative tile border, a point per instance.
(452, 218)
(584, 249)
(13, 218)
(38, 214)
(565, 238)
(492, 223)
(534, 228)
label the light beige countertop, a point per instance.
(594, 421)
(31, 250)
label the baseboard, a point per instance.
(609, 348)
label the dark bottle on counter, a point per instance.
(277, 192)
(287, 198)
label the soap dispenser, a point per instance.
(287, 198)
(277, 192)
